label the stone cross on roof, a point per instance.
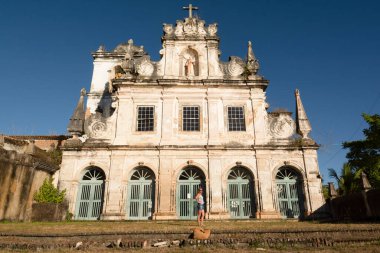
(190, 8)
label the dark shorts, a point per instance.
(201, 207)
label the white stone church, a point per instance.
(151, 133)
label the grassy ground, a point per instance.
(167, 226)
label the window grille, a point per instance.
(145, 118)
(190, 118)
(236, 121)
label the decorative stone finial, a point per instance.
(332, 191)
(365, 183)
(76, 124)
(252, 63)
(251, 55)
(101, 49)
(302, 122)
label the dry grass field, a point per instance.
(168, 226)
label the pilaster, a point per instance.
(216, 182)
(166, 208)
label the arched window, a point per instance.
(141, 193)
(90, 194)
(290, 195)
(189, 181)
(241, 197)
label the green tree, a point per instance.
(364, 155)
(348, 181)
(325, 191)
(48, 193)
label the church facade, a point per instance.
(152, 133)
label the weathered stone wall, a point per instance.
(356, 206)
(49, 211)
(21, 175)
(44, 142)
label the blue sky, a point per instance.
(329, 49)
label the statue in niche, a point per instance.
(189, 67)
(189, 63)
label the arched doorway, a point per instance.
(290, 195)
(141, 192)
(241, 197)
(90, 194)
(189, 181)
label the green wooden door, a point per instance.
(140, 202)
(289, 193)
(90, 195)
(241, 204)
(189, 182)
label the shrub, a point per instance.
(55, 156)
(48, 193)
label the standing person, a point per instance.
(201, 206)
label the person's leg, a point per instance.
(199, 217)
(202, 216)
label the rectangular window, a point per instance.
(190, 118)
(236, 121)
(145, 118)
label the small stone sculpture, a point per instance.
(179, 28)
(168, 29)
(212, 29)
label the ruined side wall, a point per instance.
(19, 179)
(356, 206)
